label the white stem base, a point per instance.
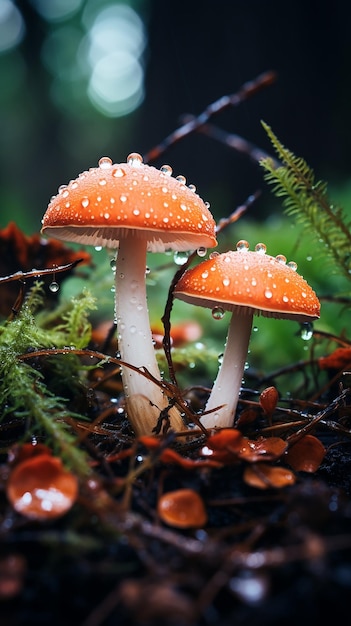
(144, 399)
(226, 388)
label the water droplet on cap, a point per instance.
(118, 172)
(201, 251)
(242, 245)
(166, 169)
(292, 265)
(54, 286)
(105, 162)
(261, 248)
(306, 331)
(180, 257)
(85, 202)
(135, 159)
(218, 313)
(181, 179)
(281, 258)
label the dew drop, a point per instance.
(113, 264)
(102, 182)
(118, 172)
(281, 258)
(147, 270)
(292, 265)
(98, 248)
(207, 205)
(166, 169)
(135, 159)
(306, 331)
(105, 162)
(132, 330)
(204, 274)
(261, 248)
(242, 245)
(180, 258)
(136, 212)
(220, 358)
(192, 187)
(226, 282)
(181, 179)
(268, 293)
(201, 251)
(218, 313)
(214, 255)
(85, 202)
(123, 198)
(54, 286)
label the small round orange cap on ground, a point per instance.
(182, 508)
(40, 488)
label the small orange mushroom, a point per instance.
(245, 283)
(41, 489)
(182, 508)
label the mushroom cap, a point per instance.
(108, 202)
(236, 281)
(182, 508)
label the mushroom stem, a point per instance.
(144, 399)
(226, 388)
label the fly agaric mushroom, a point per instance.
(136, 208)
(246, 283)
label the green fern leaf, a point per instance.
(306, 199)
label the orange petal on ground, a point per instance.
(40, 488)
(268, 400)
(182, 508)
(263, 449)
(306, 454)
(265, 476)
(340, 358)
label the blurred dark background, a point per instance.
(85, 78)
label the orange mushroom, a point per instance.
(246, 283)
(40, 488)
(136, 208)
(182, 508)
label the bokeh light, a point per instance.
(56, 10)
(114, 50)
(11, 26)
(96, 60)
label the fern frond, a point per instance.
(307, 200)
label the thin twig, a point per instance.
(39, 273)
(246, 91)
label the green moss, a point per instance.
(27, 391)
